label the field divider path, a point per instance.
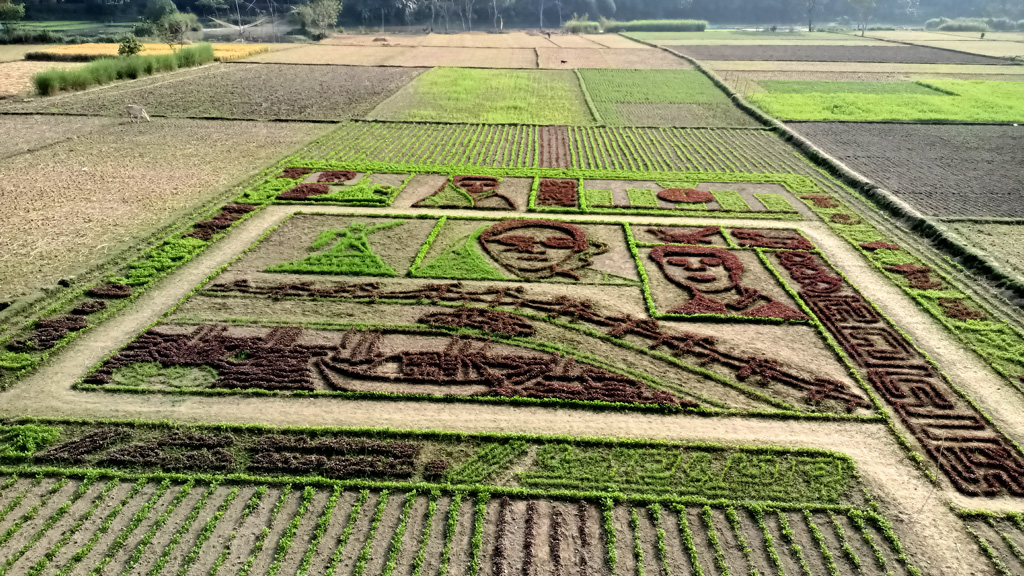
(926, 229)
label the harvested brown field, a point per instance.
(615, 41)
(69, 207)
(943, 171)
(12, 52)
(16, 77)
(876, 54)
(1002, 241)
(403, 56)
(244, 91)
(464, 40)
(570, 58)
(38, 131)
(847, 67)
(578, 41)
(995, 49)
(732, 76)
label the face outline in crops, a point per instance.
(538, 249)
(699, 269)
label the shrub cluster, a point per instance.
(107, 70)
(581, 26)
(612, 26)
(973, 24)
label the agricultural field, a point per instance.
(242, 91)
(831, 53)
(330, 312)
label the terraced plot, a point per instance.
(829, 53)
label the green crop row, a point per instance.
(346, 534)
(318, 534)
(254, 502)
(68, 534)
(140, 548)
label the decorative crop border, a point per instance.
(168, 450)
(748, 371)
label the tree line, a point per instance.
(457, 15)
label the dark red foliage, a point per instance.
(369, 466)
(918, 277)
(844, 219)
(975, 455)
(503, 323)
(878, 246)
(335, 176)
(704, 235)
(499, 559)
(294, 173)
(435, 469)
(822, 200)
(110, 291)
(228, 215)
(273, 362)
(687, 195)
(337, 446)
(196, 440)
(530, 538)
(141, 455)
(48, 331)
(956, 308)
(287, 462)
(783, 239)
(215, 460)
(304, 191)
(555, 541)
(701, 348)
(89, 307)
(75, 451)
(553, 192)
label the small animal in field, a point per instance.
(136, 113)
(565, 61)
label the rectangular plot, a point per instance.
(886, 54)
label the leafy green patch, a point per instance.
(23, 441)
(845, 87)
(349, 253)
(153, 374)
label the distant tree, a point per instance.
(214, 6)
(10, 14)
(810, 6)
(129, 46)
(173, 28)
(157, 9)
(467, 11)
(496, 7)
(320, 16)
(863, 9)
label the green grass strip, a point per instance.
(32, 512)
(165, 556)
(285, 543)
(731, 201)
(479, 512)
(642, 197)
(254, 502)
(396, 541)
(364, 553)
(687, 536)
(449, 533)
(53, 519)
(261, 540)
(709, 523)
(774, 202)
(84, 551)
(848, 550)
(319, 531)
(737, 529)
(655, 510)
(140, 548)
(417, 563)
(347, 533)
(18, 499)
(638, 550)
(607, 507)
(819, 539)
(789, 537)
(66, 536)
(207, 532)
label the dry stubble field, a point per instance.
(523, 331)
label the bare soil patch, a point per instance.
(12, 52)
(72, 205)
(246, 91)
(38, 131)
(403, 56)
(16, 77)
(886, 54)
(609, 58)
(1000, 240)
(995, 49)
(875, 67)
(941, 170)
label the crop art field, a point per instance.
(385, 320)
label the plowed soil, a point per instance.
(941, 170)
(893, 54)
